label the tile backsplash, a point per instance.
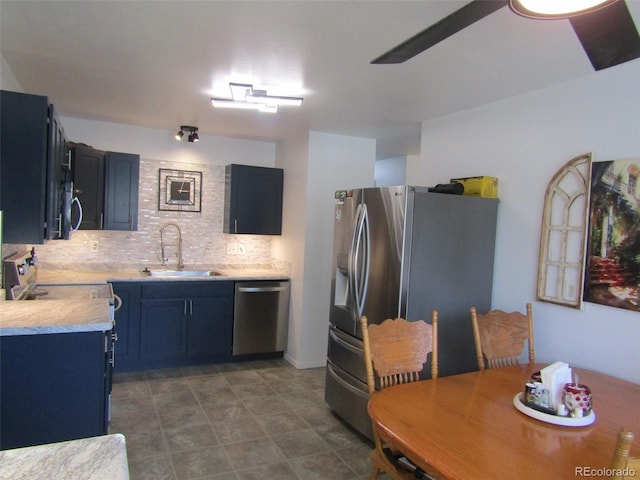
(203, 242)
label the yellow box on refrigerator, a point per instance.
(479, 186)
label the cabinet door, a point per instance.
(127, 350)
(88, 184)
(253, 200)
(162, 331)
(209, 328)
(53, 388)
(121, 206)
(23, 158)
(57, 166)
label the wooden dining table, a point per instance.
(467, 427)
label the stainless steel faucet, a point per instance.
(178, 244)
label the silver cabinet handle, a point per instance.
(190, 303)
(68, 165)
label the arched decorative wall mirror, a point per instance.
(564, 231)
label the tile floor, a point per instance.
(237, 421)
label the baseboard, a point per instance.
(304, 365)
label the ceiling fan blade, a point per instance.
(450, 25)
(609, 36)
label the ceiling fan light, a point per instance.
(551, 9)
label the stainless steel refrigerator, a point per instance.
(403, 252)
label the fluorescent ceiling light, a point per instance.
(262, 97)
(556, 8)
(243, 96)
(241, 105)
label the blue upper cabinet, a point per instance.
(32, 168)
(253, 200)
(107, 185)
(121, 192)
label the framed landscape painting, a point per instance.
(613, 246)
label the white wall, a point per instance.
(289, 248)
(523, 141)
(8, 81)
(314, 170)
(391, 171)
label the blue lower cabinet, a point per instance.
(127, 327)
(163, 327)
(54, 387)
(170, 324)
(210, 328)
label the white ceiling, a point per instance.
(157, 63)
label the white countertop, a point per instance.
(83, 315)
(98, 275)
(95, 458)
(54, 316)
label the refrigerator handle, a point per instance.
(352, 267)
(361, 261)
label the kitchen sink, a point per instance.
(183, 273)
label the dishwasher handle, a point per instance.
(261, 289)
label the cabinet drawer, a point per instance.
(187, 289)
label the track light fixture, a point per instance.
(244, 96)
(193, 133)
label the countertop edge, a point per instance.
(98, 458)
(54, 316)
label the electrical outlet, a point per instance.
(94, 246)
(232, 248)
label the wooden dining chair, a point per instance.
(395, 352)
(624, 467)
(500, 337)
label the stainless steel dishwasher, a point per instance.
(261, 317)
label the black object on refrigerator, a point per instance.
(403, 252)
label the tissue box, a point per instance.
(479, 186)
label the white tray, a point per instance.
(554, 419)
